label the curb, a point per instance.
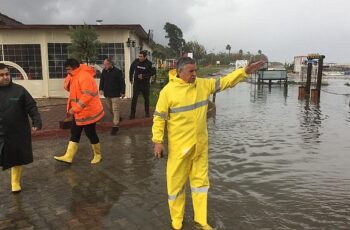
(101, 127)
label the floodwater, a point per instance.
(275, 163)
(280, 163)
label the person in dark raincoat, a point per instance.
(15, 133)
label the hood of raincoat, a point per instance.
(84, 68)
(173, 78)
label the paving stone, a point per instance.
(119, 193)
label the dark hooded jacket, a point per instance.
(112, 82)
(15, 131)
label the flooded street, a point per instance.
(277, 162)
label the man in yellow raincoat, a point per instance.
(182, 107)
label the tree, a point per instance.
(240, 54)
(162, 52)
(84, 46)
(197, 49)
(248, 56)
(228, 47)
(176, 41)
(260, 56)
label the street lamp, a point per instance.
(130, 43)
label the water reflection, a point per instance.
(18, 214)
(310, 121)
(261, 91)
(277, 162)
(91, 196)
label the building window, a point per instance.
(58, 54)
(28, 56)
(114, 51)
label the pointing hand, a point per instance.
(253, 67)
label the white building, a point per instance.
(299, 61)
(42, 49)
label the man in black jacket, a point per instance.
(140, 72)
(15, 134)
(112, 86)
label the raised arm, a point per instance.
(234, 77)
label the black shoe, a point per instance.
(132, 117)
(114, 131)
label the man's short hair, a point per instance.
(71, 62)
(3, 66)
(109, 60)
(184, 61)
(143, 52)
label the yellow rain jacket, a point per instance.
(182, 107)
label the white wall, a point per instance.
(34, 87)
(54, 87)
(298, 63)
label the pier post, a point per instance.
(319, 74)
(315, 95)
(301, 94)
(308, 77)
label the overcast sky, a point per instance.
(282, 29)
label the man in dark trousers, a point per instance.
(15, 133)
(140, 72)
(112, 86)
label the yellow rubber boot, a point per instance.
(16, 173)
(205, 227)
(71, 151)
(96, 148)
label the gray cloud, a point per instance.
(281, 29)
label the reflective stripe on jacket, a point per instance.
(83, 96)
(183, 107)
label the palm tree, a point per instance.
(240, 52)
(228, 47)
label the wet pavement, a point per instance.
(53, 110)
(126, 191)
